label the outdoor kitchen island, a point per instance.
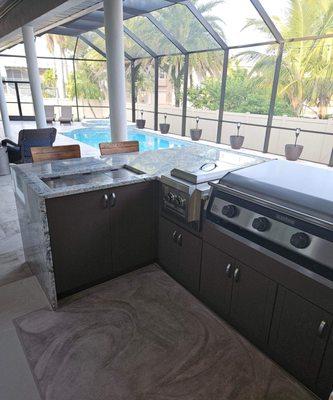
(84, 221)
(89, 220)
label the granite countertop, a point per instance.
(65, 177)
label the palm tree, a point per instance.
(306, 77)
(185, 27)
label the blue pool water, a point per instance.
(147, 141)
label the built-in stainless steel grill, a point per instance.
(283, 206)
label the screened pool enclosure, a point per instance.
(266, 64)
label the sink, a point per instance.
(89, 178)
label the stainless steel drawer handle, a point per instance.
(113, 200)
(174, 236)
(106, 201)
(321, 329)
(236, 275)
(180, 239)
(228, 270)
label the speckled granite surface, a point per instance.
(152, 164)
(144, 337)
(35, 183)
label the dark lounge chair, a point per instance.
(20, 152)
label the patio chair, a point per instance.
(66, 116)
(109, 148)
(49, 114)
(40, 154)
(20, 152)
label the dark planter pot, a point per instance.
(195, 134)
(140, 123)
(164, 128)
(293, 151)
(236, 141)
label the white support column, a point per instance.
(4, 111)
(34, 78)
(114, 42)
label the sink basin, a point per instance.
(89, 178)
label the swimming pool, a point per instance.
(147, 140)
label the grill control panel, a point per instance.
(273, 227)
(174, 201)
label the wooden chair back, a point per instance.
(49, 153)
(110, 148)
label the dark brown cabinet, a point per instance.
(252, 302)
(80, 239)
(238, 293)
(133, 233)
(101, 234)
(217, 269)
(180, 254)
(299, 335)
(325, 379)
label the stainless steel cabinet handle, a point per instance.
(228, 270)
(180, 239)
(321, 328)
(174, 236)
(236, 275)
(106, 200)
(113, 200)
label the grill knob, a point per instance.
(300, 240)
(261, 224)
(229, 211)
(171, 197)
(180, 201)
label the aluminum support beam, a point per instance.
(101, 34)
(184, 111)
(75, 84)
(166, 33)
(90, 44)
(34, 78)
(133, 90)
(156, 76)
(139, 42)
(206, 24)
(269, 23)
(273, 97)
(222, 98)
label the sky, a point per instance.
(234, 13)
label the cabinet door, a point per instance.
(252, 303)
(80, 240)
(216, 279)
(167, 246)
(133, 233)
(189, 261)
(299, 335)
(325, 380)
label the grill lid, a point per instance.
(302, 188)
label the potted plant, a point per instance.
(164, 127)
(196, 132)
(236, 141)
(293, 151)
(140, 123)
